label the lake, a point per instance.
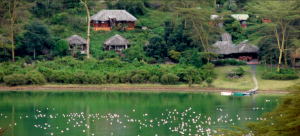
(109, 113)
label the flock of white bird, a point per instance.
(186, 122)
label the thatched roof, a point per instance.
(246, 47)
(223, 47)
(76, 40)
(226, 37)
(116, 40)
(119, 15)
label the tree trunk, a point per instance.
(88, 31)
(12, 43)
(12, 14)
(285, 60)
(279, 60)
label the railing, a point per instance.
(102, 28)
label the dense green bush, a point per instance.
(125, 76)
(209, 81)
(15, 79)
(61, 76)
(68, 70)
(47, 72)
(97, 78)
(154, 79)
(35, 77)
(1, 75)
(169, 78)
(138, 78)
(80, 78)
(113, 78)
(276, 76)
(238, 72)
(28, 59)
(208, 71)
(228, 62)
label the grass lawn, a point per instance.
(272, 84)
(243, 83)
(246, 82)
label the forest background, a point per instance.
(177, 31)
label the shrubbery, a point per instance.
(276, 76)
(68, 70)
(35, 77)
(80, 78)
(1, 76)
(97, 78)
(169, 78)
(61, 76)
(154, 79)
(239, 72)
(283, 74)
(138, 78)
(47, 72)
(209, 81)
(229, 62)
(15, 79)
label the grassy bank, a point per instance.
(273, 84)
(246, 82)
(243, 83)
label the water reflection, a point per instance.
(127, 114)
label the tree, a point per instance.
(89, 29)
(13, 14)
(157, 48)
(37, 38)
(61, 47)
(282, 15)
(175, 54)
(4, 46)
(135, 51)
(200, 28)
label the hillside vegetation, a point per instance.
(179, 31)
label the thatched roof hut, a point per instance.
(76, 40)
(246, 47)
(116, 40)
(119, 15)
(226, 37)
(223, 48)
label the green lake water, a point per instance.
(127, 113)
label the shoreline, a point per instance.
(125, 88)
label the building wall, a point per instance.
(106, 25)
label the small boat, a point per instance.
(241, 93)
(226, 93)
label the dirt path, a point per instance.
(254, 79)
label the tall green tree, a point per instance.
(282, 15)
(12, 10)
(88, 29)
(37, 39)
(198, 23)
(156, 48)
(61, 47)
